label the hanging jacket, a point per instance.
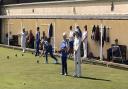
(97, 33)
(50, 31)
(104, 33)
(107, 35)
(93, 32)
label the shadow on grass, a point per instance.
(55, 63)
(95, 79)
(91, 78)
(58, 64)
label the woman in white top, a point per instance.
(77, 55)
(23, 40)
(85, 39)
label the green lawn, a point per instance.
(23, 72)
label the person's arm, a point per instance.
(85, 37)
(19, 34)
(77, 46)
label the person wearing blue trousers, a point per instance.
(64, 54)
(49, 49)
(37, 41)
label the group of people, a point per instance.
(27, 39)
(72, 46)
(83, 37)
(44, 44)
(68, 47)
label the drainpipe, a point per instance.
(1, 2)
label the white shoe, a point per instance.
(66, 74)
(78, 76)
(55, 62)
(74, 75)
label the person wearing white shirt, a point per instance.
(71, 41)
(10, 35)
(23, 40)
(71, 34)
(77, 55)
(85, 39)
(10, 38)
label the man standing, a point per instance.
(37, 41)
(85, 39)
(77, 55)
(23, 40)
(64, 54)
(79, 31)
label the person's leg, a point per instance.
(38, 48)
(109, 54)
(72, 48)
(62, 60)
(75, 64)
(42, 49)
(79, 68)
(23, 50)
(24, 46)
(51, 54)
(65, 66)
(46, 55)
(33, 45)
(69, 52)
(30, 45)
(85, 49)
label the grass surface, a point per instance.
(22, 72)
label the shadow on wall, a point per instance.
(25, 1)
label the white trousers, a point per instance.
(23, 45)
(85, 49)
(77, 61)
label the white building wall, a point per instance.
(68, 9)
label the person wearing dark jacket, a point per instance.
(111, 50)
(49, 49)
